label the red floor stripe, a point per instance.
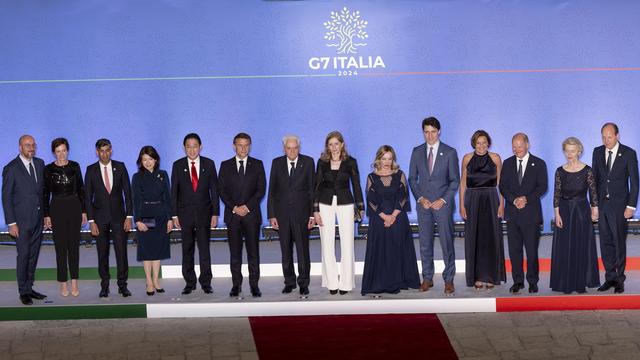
(351, 337)
(575, 302)
(633, 263)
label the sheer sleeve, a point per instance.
(403, 203)
(373, 198)
(593, 192)
(557, 188)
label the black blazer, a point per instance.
(186, 202)
(622, 181)
(291, 198)
(327, 184)
(21, 196)
(101, 206)
(236, 191)
(534, 185)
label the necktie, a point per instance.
(609, 161)
(430, 160)
(32, 172)
(107, 183)
(293, 169)
(194, 176)
(520, 172)
(241, 169)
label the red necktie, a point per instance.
(194, 176)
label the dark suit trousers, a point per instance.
(196, 230)
(297, 233)
(247, 227)
(66, 219)
(612, 227)
(113, 231)
(28, 248)
(527, 236)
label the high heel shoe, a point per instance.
(75, 292)
(63, 289)
(478, 285)
(151, 293)
(159, 290)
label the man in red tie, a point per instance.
(110, 213)
(195, 206)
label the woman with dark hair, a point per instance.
(64, 212)
(336, 170)
(152, 212)
(482, 207)
(390, 262)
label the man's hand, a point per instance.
(94, 228)
(47, 223)
(311, 224)
(425, 203)
(274, 223)
(520, 202)
(318, 218)
(14, 231)
(141, 226)
(214, 221)
(438, 204)
(128, 224)
(628, 213)
(176, 222)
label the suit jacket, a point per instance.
(21, 196)
(104, 207)
(622, 181)
(327, 184)
(534, 185)
(291, 198)
(185, 201)
(444, 180)
(236, 190)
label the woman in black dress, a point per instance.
(64, 213)
(482, 207)
(390, 263)
(152, 210)
(574, 258)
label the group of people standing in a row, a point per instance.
(56, 197)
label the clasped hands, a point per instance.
(436, 205)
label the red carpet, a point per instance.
(351, 337)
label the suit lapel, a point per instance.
(618, 160)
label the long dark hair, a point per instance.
(151, 151)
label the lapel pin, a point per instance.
(185, 170)
(533, 164)
(441, 154)
(619, 154)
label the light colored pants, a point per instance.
(345, 217)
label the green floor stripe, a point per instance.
(73, 312)
(90, 273)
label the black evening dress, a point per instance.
(484, 248)
(574, 258)
(152, 200)
(390, 263)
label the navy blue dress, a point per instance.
(152, 199)
(390, 263)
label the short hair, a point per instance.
(102, 143)
(615, 127)
(191, 136)
(23, 137)
(478, 134)
(520, 135)
(326, 154)
(431, 121)
(287, 138)
(380, 153)
(57, 142)
(573, 141)
(242, 136)
(151, 151)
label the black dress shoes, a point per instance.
(255, 292)
(187, 290)
(304, 290)
(26, 300)
(333, 292)
(619, 288)
(607, 285)
(36, 295)
(288, 289)
(207, 289)
(235, 291)
(124, 292)
(516, 288)
(343, 292)
(533, 288)
(159, 291)
(104, 293)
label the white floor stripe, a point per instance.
(291, 308)
(223, 271)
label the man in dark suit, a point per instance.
(434, 178)
(241, 186)
(615, 168)
(290, 209)
(523, 181)
(22, 184)
(110, 213)
(194, 198)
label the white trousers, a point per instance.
(345, 217)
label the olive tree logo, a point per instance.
(344, 29)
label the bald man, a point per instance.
(22, 196)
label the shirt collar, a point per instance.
(238, 159)
(525, 158)
(25, 161)
(196, 160)
(614, 149)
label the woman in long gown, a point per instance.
(390, 263)
(482, 207)
(574, 258)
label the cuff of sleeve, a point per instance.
(90, 221)
(13, 223)
(631, 207)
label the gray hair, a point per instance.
(573, 141)
(287, 138)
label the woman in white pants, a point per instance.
(336, 174)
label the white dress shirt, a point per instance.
(109, 173)
(614, 154)
(525, 161)
(197, 165)
(295, 164)
(26, 163)
(244, 161)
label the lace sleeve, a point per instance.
(372, 197)
(557, 188)
(593, 192)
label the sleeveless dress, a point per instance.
(484, 247)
